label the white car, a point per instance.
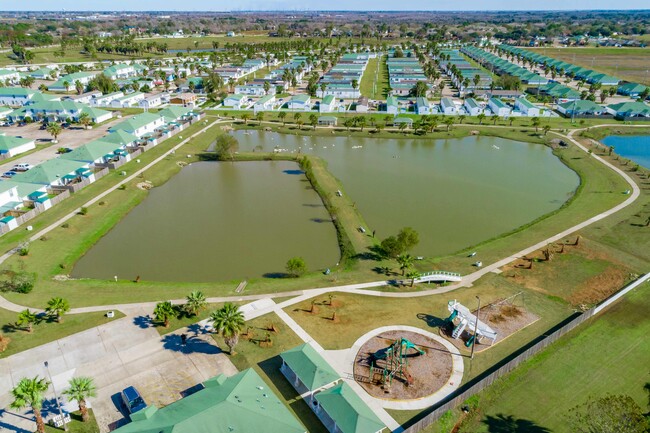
(22, 167)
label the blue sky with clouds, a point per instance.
(222, 5)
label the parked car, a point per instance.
(23, 166)
(9, 174)
(132, 400)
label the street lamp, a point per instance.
(476, 326)
(58, 404)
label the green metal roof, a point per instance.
(174, 112)
(327, 100)
(347, 409)
(242, 403)
(310, 367)
(91, 152)
(300, 98)
(49, 171)
(582, 106)
(8, 142)
(119, 137)
(136, 122)
(631, 108)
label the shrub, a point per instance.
(65, 225)
(20, 282)
(122, 187)
(83, 210)
(23, 249)
(102, 203)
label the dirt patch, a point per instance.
(504, 317)
(599, 287)
(422, 373)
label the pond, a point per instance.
(223, 221)
(634, 147)
(218, 221)
(455, 192)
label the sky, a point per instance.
(237, 5)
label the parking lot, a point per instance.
(126, 352)
(72, 138)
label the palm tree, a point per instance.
(405, 261)
(413, 275)
(461, 118)
(481, 118)
(29, 393)
(546, 128)
(81, 388)
(245, 117)
(282, 115)
(79, 87)
(449, 121)
(402, 126)
(57, 307)
(260, 117)
(163, 312)
(54, 129)
(229, 321)
(195, 302)
(85, 120)
(313, 120)
(494, 118)
(536, 122)
(28, 318)
(296, 118)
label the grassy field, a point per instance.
(629, 64)
(608, 354)
(374, 83)
(255, 353)
(46, 330)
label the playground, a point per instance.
(402, 365)
(496, 321)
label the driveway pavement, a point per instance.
(125, 352)
(71, 138)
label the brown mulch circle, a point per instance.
(429, 372)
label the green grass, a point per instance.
(608, 354)
(266, 362)
(76, 425)
(374, 83)
(47, 330)
(182, 320)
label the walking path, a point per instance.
(360, 288)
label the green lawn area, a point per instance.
(626, 63)
(266, 361)
(374, 83)
(608, 354)
(182, 320)
(46, 330)
(76, 425)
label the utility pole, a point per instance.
(58, 404)
(478, 310)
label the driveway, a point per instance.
(125, 352)
(72, 138)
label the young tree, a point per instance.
(163, 312)
(449, 121)
(546, 128)
(494, 118)
(85, 120)
(313, 120)
(228, 321)
(81, 389)
(405, 262)
(282, 116)
(296, 266)
(26, 317)
(30, 393)
(481, 118)
(195, 302)
(536, 122)
(407, 238)
(54, 129)
(245, 117)
(57, 307)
